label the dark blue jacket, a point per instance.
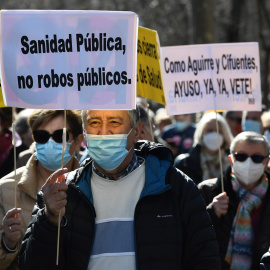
(182, 140)
(183, 239)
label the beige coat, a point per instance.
(26, 191)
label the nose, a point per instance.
(104, 130)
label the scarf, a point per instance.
(211, 166)
(239, 252)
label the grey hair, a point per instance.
(144, 117)
(225, 129)
(134, 116)
(250, 137)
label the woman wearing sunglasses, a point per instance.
(241, 214)
(47, 129)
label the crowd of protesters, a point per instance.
(225, 156)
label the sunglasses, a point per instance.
(255, 158)
(42, 136)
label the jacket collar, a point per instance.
(158, 159)
(28, 180)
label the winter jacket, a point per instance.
(182, 140)
(210, 189)
(172, 227)
(26, 193)
(265, 261)
(190, 164)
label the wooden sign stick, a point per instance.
(64, 141)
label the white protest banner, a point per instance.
(69, 59)
(212, 77)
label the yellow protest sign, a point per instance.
(2, 104)
(149, 78)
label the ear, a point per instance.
(78, 141)
(141, 127)
(137, 132)
(266, 164)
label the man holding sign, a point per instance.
(126, 208)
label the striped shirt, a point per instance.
(115, 203)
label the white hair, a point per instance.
(134, 116)
(224, 129)
(250, 137)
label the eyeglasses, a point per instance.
(42, 136)
(255, 158)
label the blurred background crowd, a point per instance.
(194, 139)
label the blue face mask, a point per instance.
(181, 125)
(267, 135)
(50, 154)
(108, 151)
(251, 125)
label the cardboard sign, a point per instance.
(149, 74)
(212, 77)
(69, 59)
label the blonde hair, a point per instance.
(225, 129)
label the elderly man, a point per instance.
(125, 208)
(241, 214)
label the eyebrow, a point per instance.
(108, 118)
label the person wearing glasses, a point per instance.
(241, 214)
(126, 207)
(47, 129)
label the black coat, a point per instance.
(183, 239)
(210, 189)
(265, 261)
(190, 164)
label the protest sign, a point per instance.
(212, 77)
(69, 59)
(149, 75)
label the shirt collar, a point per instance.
(134, 164)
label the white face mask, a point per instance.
(247, 171)
(213, 140)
